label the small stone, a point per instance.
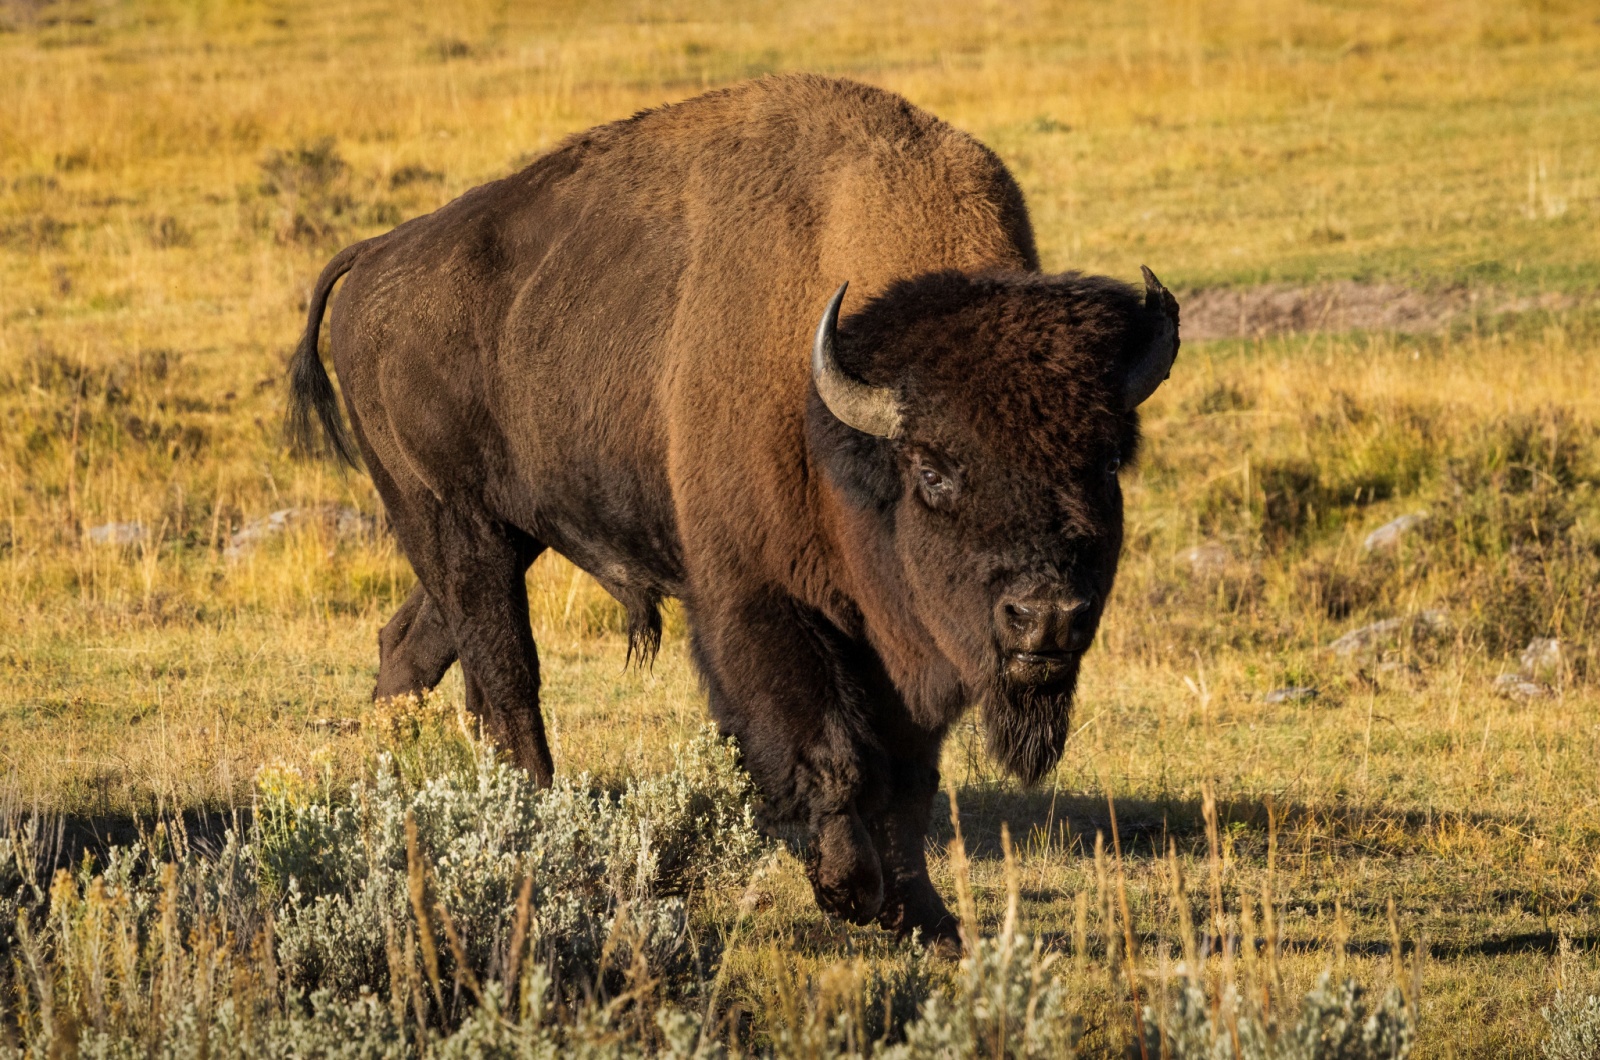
(1208, 557)
(343, 522)
(252, 533)
(350, 525)
(1366, 638)
(1293, 694)
(117, 534)
(1515, 686)
(1370, 638)
(341, 726)
(1389, 534)
(1542, 658)
(1432, 621)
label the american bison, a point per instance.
(878, 506)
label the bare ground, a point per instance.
(1345, 305)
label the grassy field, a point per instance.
(173, 176)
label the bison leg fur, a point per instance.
(846, 873)
(473, 570)
(771, 669)
(899, 831)
(415, 648)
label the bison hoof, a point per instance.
(845, 874)
(855, 898)
(946, 946)
(925, 917)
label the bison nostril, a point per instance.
(1019, 616)
(1047, 624)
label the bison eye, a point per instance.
(1113, 466)
(937, 488)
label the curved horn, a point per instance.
(1152, 367)
(869, 409)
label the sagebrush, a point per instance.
(465, 912)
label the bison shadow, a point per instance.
(1145, 826)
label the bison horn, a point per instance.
(1155, 362)
(869, 409)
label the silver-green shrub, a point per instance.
(300, 936)
(1335, 1022)
(285, 940)
(591, 856)
(1574, 1028)
(1005, 1002)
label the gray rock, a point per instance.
(1381, 634)
(352, 525)
(339, 726)
(1293, 694)
(117, 534)
(1542, 658)
(1367, 638)
(1388, 535)
(252, 533)
(1515, 686)
(345, 523)
(1208, 557)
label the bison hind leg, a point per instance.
(415, 648)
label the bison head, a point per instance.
(976, 426)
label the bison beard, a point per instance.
(1027, 726)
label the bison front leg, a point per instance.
(772, 671)
(845, 871)
(899, 831)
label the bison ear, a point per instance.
(869, 409)
(1154, 362)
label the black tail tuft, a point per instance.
(311, 392)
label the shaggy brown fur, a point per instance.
(607, 354)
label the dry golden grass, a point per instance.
(168, 190)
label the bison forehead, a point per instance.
(1015, 364)
(1051, 441)
(1038, 427)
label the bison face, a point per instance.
(982, 423)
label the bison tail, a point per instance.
(310, 390)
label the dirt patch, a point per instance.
(1345, 305)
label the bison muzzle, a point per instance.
(783, 352)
